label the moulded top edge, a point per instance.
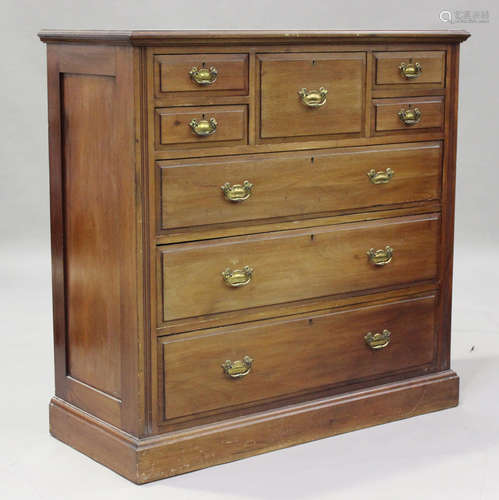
(248, 37)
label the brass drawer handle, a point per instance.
(239, 368)
(380, 257)
(237, 192)
(410, 70)
(203, 127)
(237, 277)
(410, 116)
(313, 98)
(203, 76)
(378, 340)
(380, 177)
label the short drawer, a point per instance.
(232, 366)
(231, 274)
(410, 68)
(258, 187)
(394, 115)
(218, 73)
(311, 94)
(200, 126)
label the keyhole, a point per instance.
(314, 62)
(312, 160)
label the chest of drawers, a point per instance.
(252, 238)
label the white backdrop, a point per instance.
(403, 460)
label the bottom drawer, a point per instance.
(293, 355)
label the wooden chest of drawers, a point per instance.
(252, 238)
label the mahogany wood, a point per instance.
(293, 185)
(296, 265)
(283, 114)
(388, 120)
(141, 232)
(173, 73)
(174, 129)
(167, 455)
(335, 351)
(387, 68)
(97, 320)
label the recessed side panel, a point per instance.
(96, 235)
(91, 195)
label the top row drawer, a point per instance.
(410, 68)
(227, 74)
(202, 72)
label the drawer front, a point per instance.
(286, 184)
(286, 113)
(295, 265)
(393, 115)
(198, 126)
(202, 73)
(410, 68)
(294, 355)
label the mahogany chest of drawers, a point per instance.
(252, 238)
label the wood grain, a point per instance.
(387, 119)
(295, 185)
(295, 265)
(388, 72)
(283, 75)
(249, 37)
(294, 355)
(173, 73)
(167, 455)
(141, 233)
(93, 288)
(173, 125)
(97, 321)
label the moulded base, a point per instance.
(165, 455)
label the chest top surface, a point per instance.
(167, 37)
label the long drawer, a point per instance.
(222, 190)
(237, 365)
(229, 274)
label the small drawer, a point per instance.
(311, 95)
(238, 273)
(406, 114)
(248, 188)
(231, 366)
(410, 68)
(225, 74)
(200, 126)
